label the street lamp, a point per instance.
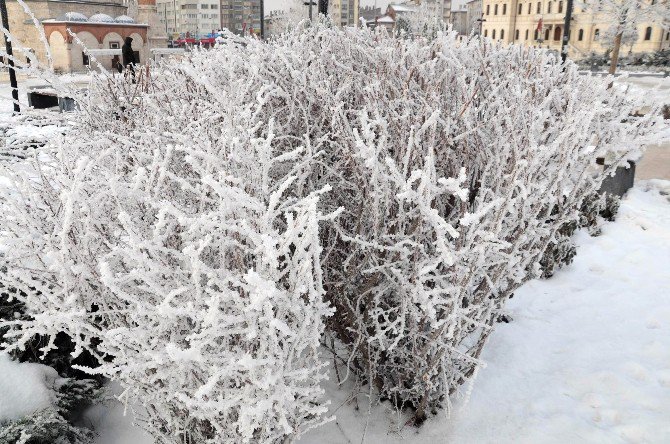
(566, 31)
(310, 3)
(481, 21)
(10, 62)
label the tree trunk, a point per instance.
(615, 52)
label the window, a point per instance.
(546, 35)
(504, 8)
(667, 36)
(486, 33)
(85, 60)
(535, 37)
(114, 45)
(526, 34)
(493, 34)
(557, 34)
(539, 7)
(560, 6)
(529, 6)
(549, 8)
(647, 33)
(516, 35)
(502, 34)
(495, 10)
(520, 9)
(580, 36)
(488, 9)
(596, 34)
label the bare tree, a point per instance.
(625, 16)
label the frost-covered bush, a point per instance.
(195, 226)
(183, 252)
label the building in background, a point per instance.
(540, 23)
(189, 18)
(459, 17)
(241, 16)
(474, 16)
(97, 24)
(344, 12)
(370, 13)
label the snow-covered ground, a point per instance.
(24, 388)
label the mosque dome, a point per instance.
(72, 17)
(124, 19)
(101, 18)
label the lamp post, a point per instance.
(566, 31)
(481, 21)
(10, 62)
(262, 19)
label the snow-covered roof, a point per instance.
(124, 19)
(72, 17)
(385, 19)
(101, 18)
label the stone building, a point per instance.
(98, 24)
(541, 22)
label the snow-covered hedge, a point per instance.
(204, 226)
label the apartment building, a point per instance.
(344, 12)
(193, 18)
(241, 16)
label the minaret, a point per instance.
(146, 12)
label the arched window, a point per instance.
(520, 9)
(560, 6)
(539, 7)
(493, 34)
(647, 33)
(488, 9)
(502, 34)
(667, 36)
(486, 33)
(580, 36)
(546, 35)
(495, 10)
(557, 34)
(504, 8)
(516, 35)
(529, 6)
(549, 8)
(536, 35)
(526, 34)
(596, 34)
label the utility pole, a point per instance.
(262, 19)
(566, 31)
(10, 62)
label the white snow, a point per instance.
(585, 359)
(24, 388)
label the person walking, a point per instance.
(128, 56)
